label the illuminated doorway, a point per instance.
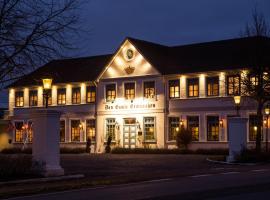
(129, 133)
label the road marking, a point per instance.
(201, 175)
(158, 180)
(260, 170)
(227, 173)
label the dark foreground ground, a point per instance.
(118, 169)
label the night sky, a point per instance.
(168, 22)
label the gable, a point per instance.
(128, 62)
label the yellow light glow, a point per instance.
(119, 61)
(237, 99)
(267, 110)
(264, 121)
(255, 128)
(177, 129)
(47, 83)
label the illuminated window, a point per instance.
(212, 128)
(110, 128)
(49, 92)
(174, 127)
(61, 96)
(33, 98)
(233, 85)
(193, 87)
(193, 126)
(90, 94)
(62, 130)
(19, 132)
(19, 100)
(174, 89)
(75, 130)
(29, 131)
(254, 80)
(149, 89)
(253, 127)
(149, 129)
(91, 129)
(76, 95)
(212, 86)
(130, 91)
(110, 92)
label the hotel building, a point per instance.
(142, 94)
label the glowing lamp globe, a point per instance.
(237, 99)
(47, 83)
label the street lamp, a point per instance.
(47, 84)
(237, 101)
(267, 112)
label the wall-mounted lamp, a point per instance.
(117, 126)
(181, 123)
(81, 126)
(265, 122)
(221, 123)
(237, 101)
(138, 125)
(177, 129)
(255, 128)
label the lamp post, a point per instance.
(47, 84)
(267, 112)
(237, 101)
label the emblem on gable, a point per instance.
(129, 55)
(129, 69)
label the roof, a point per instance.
(209, 56)
(66, 71)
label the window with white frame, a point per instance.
(19, 99)
(174, 127)
(62, 130)
(76, 95)
(75, 130)
(110, 92)
(19, 131)
(193, 87)
(212, 86)
(110, 128)
(91, 129)
(33, 98)
(61, 96)
(129, 91)
(149, 129)
(174, 89)
(213, 128)
(91, 94)
(193, 126)
(149, 89)
(233, 85)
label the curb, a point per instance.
(40, 180)
(231, 163)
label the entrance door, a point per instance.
(129, 133)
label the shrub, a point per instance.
(183, 138)
(15, 166)
(252, 156)
(16, 150)
(108, 145)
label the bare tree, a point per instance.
(33, 32)
(256, 83)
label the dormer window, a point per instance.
(174, 89)
(130, 91)
(193, 87)
(90, 94)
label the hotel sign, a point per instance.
(131, 106)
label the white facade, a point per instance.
(141, 121)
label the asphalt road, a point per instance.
(253, 184)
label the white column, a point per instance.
(202, 85)
(26, 97)
(83, 93)
(40, 96)
(45, 147)
(68, 94)
(11, 101)
(54, 95)
(222, 84)
(183, 87)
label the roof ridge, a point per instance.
(145, 41)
